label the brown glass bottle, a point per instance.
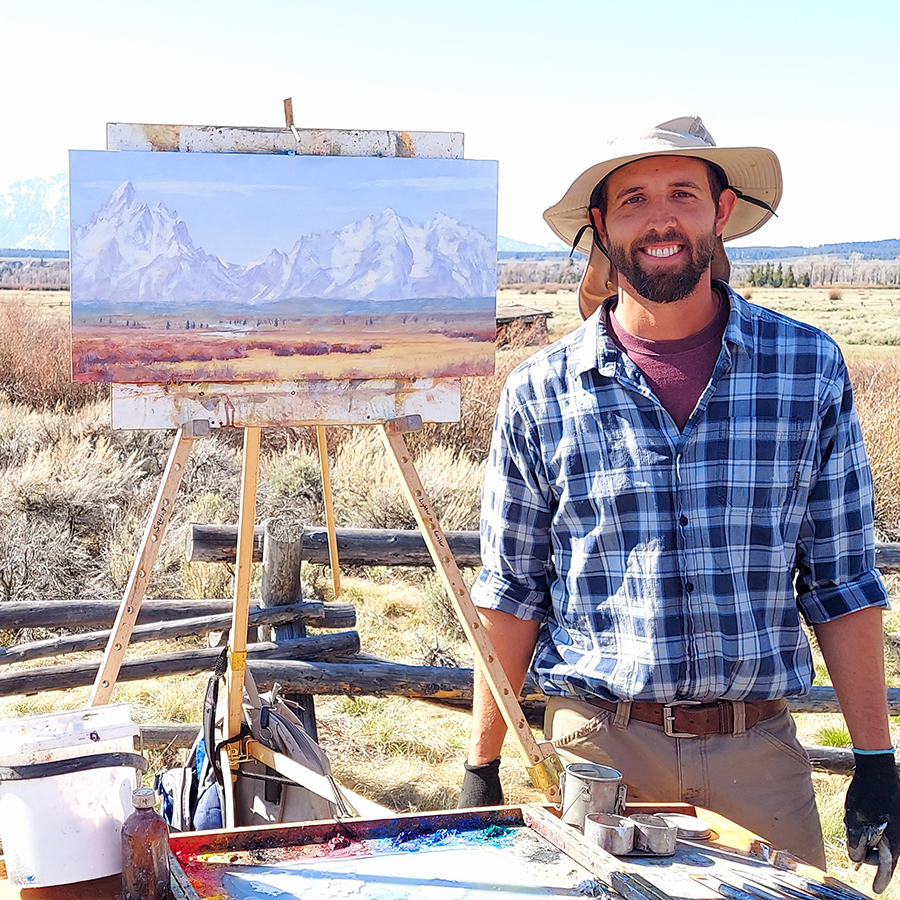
(145, 851)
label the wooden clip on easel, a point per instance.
(541, 760)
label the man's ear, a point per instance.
(597, 222)
(727, 201)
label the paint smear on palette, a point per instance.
(514, 864)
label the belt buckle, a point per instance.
(669, 718)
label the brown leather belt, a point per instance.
(690, 719)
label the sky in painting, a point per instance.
(538, 86)
(218, 194)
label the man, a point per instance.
(670, 488)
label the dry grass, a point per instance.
(875, 389)
(860, 320)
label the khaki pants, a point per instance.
(758, 778)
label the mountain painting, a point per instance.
(228, 267)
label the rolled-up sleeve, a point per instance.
(516, 514)
(836, 571)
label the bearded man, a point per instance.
(671, 490)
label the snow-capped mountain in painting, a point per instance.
(130, 252)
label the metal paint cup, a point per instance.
(615, 834)
(653, 834)
(590, 788)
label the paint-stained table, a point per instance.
(437, 852)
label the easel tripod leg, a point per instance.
(541, 760)
(140, 574)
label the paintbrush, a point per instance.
(635, 887)
(722, 888)
(830, 890)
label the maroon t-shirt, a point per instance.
(677, 371)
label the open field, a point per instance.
(864, 321)
(74, 496)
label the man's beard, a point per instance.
(661, 286)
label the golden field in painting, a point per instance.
(322, 347)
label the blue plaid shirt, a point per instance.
(670, 565)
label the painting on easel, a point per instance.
(231, 267)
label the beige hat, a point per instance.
(753, 173)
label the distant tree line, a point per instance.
(47, 274)
(819, 270)
(777, 276)
(564, 270)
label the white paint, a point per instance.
(243, 405)
(315, 141)
(452, 873)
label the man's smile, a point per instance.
(662, 251)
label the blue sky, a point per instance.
(241, 206)
(538, 85)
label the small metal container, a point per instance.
(590, 788)
(652, 834)
(615, 834)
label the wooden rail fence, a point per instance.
(279, 650)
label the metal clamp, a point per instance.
(239, 752)
(546, 773)
(669, 718)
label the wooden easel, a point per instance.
(541, 760)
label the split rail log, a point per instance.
(832, 760)
(382, 547)
(188, 662)
(97, 640)
(887, 558)
(356, 546)
(452, 686)
(16, 614)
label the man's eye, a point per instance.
(631, 200)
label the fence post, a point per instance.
(282, 553)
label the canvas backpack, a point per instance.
(193, 796)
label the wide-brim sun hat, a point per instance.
(754, 174)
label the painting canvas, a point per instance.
(228, 267)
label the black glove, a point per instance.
(481, 786)
(872, 815)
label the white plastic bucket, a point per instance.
(59, 829)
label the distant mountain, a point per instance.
(509, 245)
(34, 214)
(889, 250)
(130, 252)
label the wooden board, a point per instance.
(313, 141)
(362, 402)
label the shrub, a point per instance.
(875, 388)
(35, 361)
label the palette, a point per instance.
(511, 853)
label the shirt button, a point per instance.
(683, 521)
(689, 586)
